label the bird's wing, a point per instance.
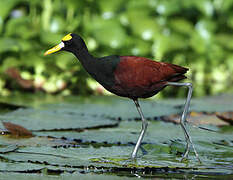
(138, 71)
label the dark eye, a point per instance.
(67, 43)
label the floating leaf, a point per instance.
(17, 130)
(89, 174)
(197, 119)
(36, 120)
(10, 106)
(8, 149)
(226, 116)
(36, 142)
(211, 104)
(118, 108)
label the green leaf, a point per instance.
(109, 7)
(181, 25)
(114, 38)
(22, 25)
(223, 40)
(50, 38)
(5, 8)
(167, 8)
(142, 25)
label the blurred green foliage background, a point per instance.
(194, 33)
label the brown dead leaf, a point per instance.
(15, 74)
(17, 130)
(226, 116)
(197, 119)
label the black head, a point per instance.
(71, 42)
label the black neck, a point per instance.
(101, 69)
(86, 59)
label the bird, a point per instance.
(131, 77)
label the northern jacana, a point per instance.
(132, 77)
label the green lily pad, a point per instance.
(163, 149)
(35, 119)
(9, 144)
(123, 109)
(24, 168)
(7, 149)
(103, 157)
(18, 167)
(64, 176)
(221, 103)
(111, 106)
(109, 148)
(126, 133)
(157, 134)
(65, 157)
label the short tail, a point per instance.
(179, 69)
(179, 75)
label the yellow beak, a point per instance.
(55, 49)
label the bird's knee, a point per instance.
(189, 84)
(144, 124)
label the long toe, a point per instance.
(194, 149)
(197, 156)
(187, 149)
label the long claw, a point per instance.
(187, 149)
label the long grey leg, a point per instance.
(143, 130)
(183, 119)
